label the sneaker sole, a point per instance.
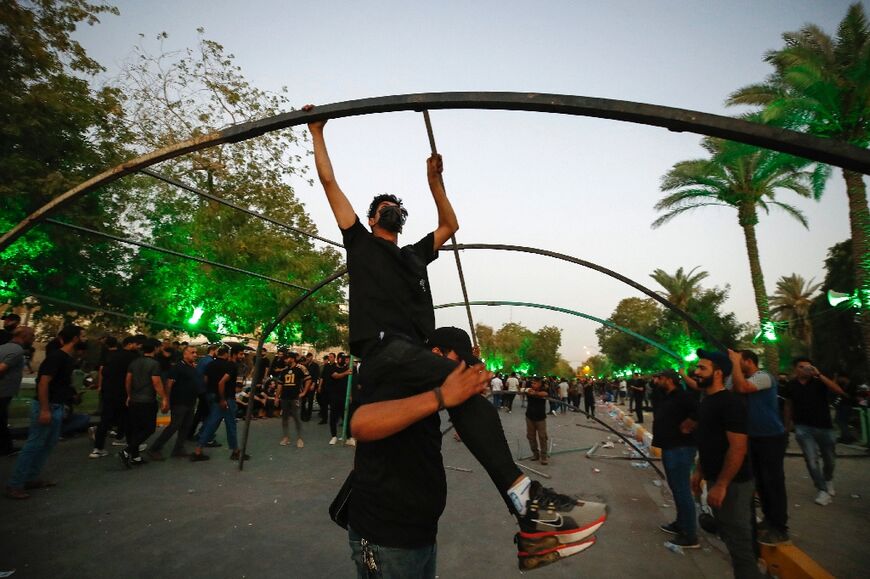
(668, 531)
(528, 561)
(528, 541)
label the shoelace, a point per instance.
(551, 498)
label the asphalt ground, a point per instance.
(191, 520)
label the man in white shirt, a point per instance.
(513, 387)
(563, 395)
(496, 385)
(623, 391)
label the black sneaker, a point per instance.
(212, 444)
(685, 542)
(670, 528)
(772, 537)
(550, 514)
(547, 552)
(124, 457)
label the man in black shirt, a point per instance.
(722, 446)
(220, 378)
(807, 404)
(114, 395)
(336, 393)
(322, 399)
(53, 390)
(676, 416)
(181, 389)
(314, 372)
(637, 387)
(391, 316)
(292, 389)
(10, 322)
(536, 419)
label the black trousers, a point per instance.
(336, 412)
(200, 415)
(507, 400)
(5, 436)
(589, 405)
(181, 417)
(141, 423)
(113, 413)
(307, 407)
(638, 407)
(767, 454)
(322, 404)
(397, 368)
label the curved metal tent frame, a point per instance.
(607, 323)
(674, 119)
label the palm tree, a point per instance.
(791, 302)
(821, 86)
(747, 179)
(680, 288)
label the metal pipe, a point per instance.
(173, 253)
(434, 149)
(828, 151)
(607, 323)
(588, 264)
(231, 205)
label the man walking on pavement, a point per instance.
(221, 379)
(181, 390)
(144, 384)
(11, 371)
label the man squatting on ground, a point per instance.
(391, 317)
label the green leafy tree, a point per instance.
(680, 287)
(836, 332)
(599, 365)
(791, 303)
(174, 96)
(636, 314)
(746, 179)
(55, 131)
(516, 348)
(821, 85)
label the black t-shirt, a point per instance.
(337, 387)
(213, 374)
(719, 413)
(59, 365)
(314, 371)
(670, 412)
(389, 287)
(536, 408)
(184, 388)
(400, 488)
(5, 336)
(293, 382)
(115, 373)
(809, 403)
(638, 383)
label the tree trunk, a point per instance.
(859, 221)
(748, 219)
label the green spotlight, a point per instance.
(836, 298)
(197, 314)
(691, 357)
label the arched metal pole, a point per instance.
(607, 323)
(534, 250)
(434, 149)
(96, 233)
(823, 150)
(231, 205)
(265, 334)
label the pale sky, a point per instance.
(581, 186)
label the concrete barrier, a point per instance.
(789, 562)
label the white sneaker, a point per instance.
(333, 440)
(97, 453)
(350, 441)
(300, 443)
(143, 447)
(117, 442)
(831, 491)
(823, 498)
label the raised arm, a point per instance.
(447, 222)
(345, 216)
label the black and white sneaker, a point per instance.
(685, 542)
(552, 515)
(124, 457)
(670, 528)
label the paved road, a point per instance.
(207, 519)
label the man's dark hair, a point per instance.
(111, 342)
(800, 359)
(129, 340)
(236, 349)
(69, 333)
(749, 355)
(140, 338)
(150, 345)
(223, 351)
(211, 348)
(385, 197)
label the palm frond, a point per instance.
(679, 211)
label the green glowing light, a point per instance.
(691, 357)
(522, 368)
(854, 300)
(767, 333)
(219, 323)
(836, 298)
(197, 314)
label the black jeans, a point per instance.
(767, 454)
(181, 418)
(199, 417)
(307, 407)
(507, 400)
(397, 368)
(589, 405)
(336, 412)
(638, 407)
(113, 413)
(142, 422)
(5, 436)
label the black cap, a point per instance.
(454, 339)
(721, 359)
(670, 374)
